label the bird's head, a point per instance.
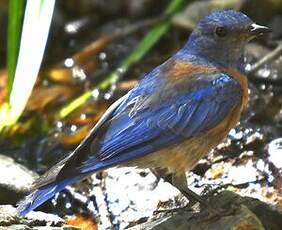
(221, 36)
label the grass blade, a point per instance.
(142, 48)
(13, 41)
(37, 20)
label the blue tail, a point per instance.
(42, 194)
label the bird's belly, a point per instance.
(185, 155)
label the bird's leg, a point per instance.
(179, 181)
(188, 193)
(168, 177)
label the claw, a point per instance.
(186, 208)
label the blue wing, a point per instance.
(146, 121)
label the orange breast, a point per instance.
(242, 79)
(177, 69)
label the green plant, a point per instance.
(26, 45)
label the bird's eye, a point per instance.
(220, 31)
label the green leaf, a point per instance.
(16, 8)
(23, 74)
(142, 48)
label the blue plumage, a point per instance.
(39, 196)
(189, 95)
(182, 116)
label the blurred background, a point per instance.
(64, 62)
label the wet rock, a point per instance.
(275, 152)
(128, 195)
(249, 213)
(15, 180)
(243, 219)
(34, 220)
(269, 216)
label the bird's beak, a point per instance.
(256, 30)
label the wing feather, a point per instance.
(150, 125)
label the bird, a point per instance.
(172, 118)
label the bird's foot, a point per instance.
(209, 210)
(211, 213)
(215, 211)
(186, 208)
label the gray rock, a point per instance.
(242, 219)
(249, 214)
(15, 180)
(275, 150)
(34, 220)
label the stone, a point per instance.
(249, 213)
(15, 180)
(9, 219)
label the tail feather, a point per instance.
(42, 194)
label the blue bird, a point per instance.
(175, 115)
